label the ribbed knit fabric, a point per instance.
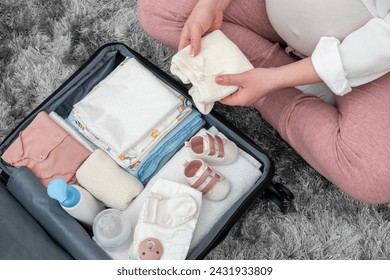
(105, 180)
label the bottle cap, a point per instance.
(111, 229)
(68, 196)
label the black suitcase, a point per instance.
(62, 233)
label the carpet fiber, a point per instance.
(43, 42)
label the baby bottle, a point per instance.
(112, 231)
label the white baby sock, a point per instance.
(106, 181)
(169, 212)
(168, 217)
(218, 55)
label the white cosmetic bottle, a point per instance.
(75, 200)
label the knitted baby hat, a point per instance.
(105, 180)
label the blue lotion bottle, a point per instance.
(75, 200)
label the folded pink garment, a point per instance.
(47, 150)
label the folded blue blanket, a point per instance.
(168, 146)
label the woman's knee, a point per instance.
(164, 20)
(148, 16)
(367, 185)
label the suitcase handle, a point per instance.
(280, 195)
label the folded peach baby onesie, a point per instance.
(218, 55)
(47, 150)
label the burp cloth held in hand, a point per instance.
(168, 218)
(47, 150)
(218, 55)
(105, 180)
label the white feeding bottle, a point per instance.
(77, 201)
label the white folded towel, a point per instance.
(218, 55)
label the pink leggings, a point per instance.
(348, 144)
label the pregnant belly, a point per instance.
(301, 23)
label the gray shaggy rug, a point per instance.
(43, 42)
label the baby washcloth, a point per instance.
(123, 108)
(218, 55)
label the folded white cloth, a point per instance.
(211, 211)
(122, 109)
(169, 214)
(218, 55)
(106, 181)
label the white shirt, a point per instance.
(348, 40)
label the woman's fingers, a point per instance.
(196, 33)
(191, 36)
(185, 38)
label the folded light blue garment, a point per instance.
(168, 146)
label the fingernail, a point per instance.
(218, 79)
(192, 53)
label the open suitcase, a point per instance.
(41, 229)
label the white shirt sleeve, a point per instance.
(363, 56)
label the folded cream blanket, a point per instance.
(218, 55)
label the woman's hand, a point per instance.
(205, 17)
(257, 83)
(253, 85)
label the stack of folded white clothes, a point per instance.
(128, 113)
